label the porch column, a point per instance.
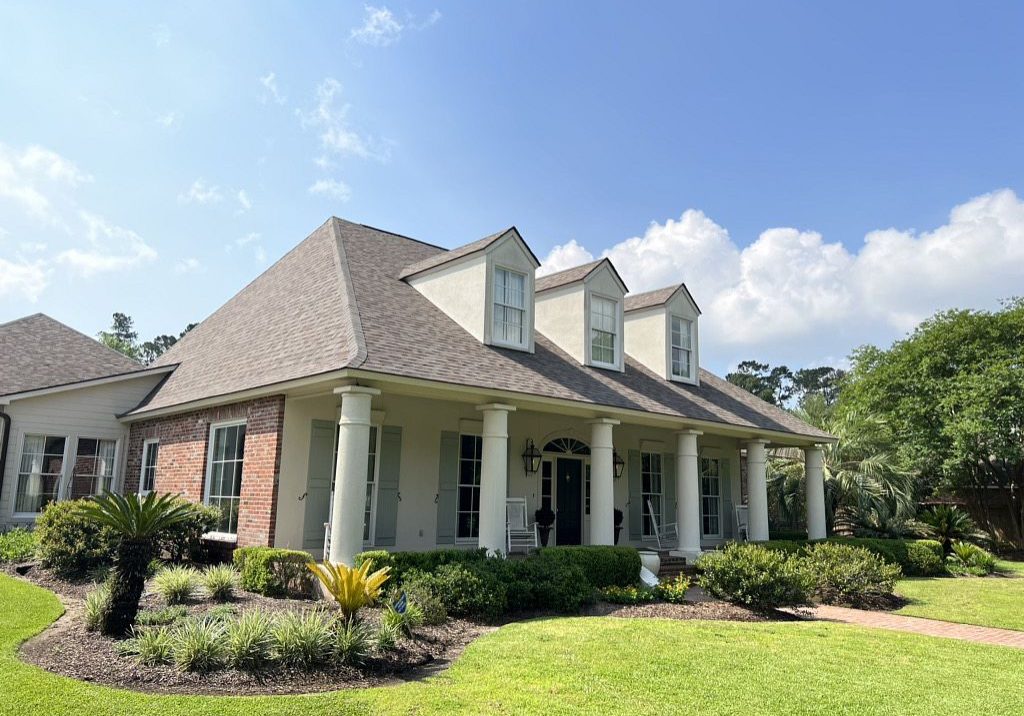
(494, 476)
(602, 485)
(815, 481)
(350, 473)
(688, 494)
(757, 491)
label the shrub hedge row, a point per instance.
(917, 558)
(273, 571)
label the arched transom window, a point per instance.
(567, 446)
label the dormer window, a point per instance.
(604, 340)
(509, 308)
(682, 348)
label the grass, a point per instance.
(985, 601)
(594, 665)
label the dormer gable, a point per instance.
(581, 310)
(486, 287)
(662, 332)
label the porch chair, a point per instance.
(519, 533)
(742, 523)
(666, 534)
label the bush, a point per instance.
(153, 646)
(303, 639)
(274, 572)
(844, 574)
(429, 561)
(70, 543)
(602, 566)
(673, 590)
(18, 545)
(162, 616)
(219, 582)
(184, 541)
(917, 558)
(351, 642)
(97, 604)
(249, 641)
(474, 594)
(543, 583)
(176, 585)
(967, 558)
(198, 645)
(924, 559)
(626, 595)
(434, 612)
(756, 577)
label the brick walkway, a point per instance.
(917, 625)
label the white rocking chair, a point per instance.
(667, 534)
(519, 533)
(742, 523)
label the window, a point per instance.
(509, 307)
(224, 479)
(470, 463)
(42, 464)
(710, 497)
(546, 480)
(650, 487)
(147, 478)
(93, 471)
(604, 322)
(371, 482)
(682, 348)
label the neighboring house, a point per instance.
(402, 392)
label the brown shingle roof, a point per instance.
(308, 314)
(39, 352)
(657, 297)
(440, 259)
(572, 275)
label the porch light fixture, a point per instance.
(531, 457)
(618, 462)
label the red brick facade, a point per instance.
(181, 460)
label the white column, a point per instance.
(814, 474)
(350, 473)
(494, 476)
(757, 491)
(602, 485)
(688, 494)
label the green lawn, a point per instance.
(592, 665)
(988, 601)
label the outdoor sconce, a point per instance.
(531, 457)
(618, 462)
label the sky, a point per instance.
(820, 175)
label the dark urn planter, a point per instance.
(618, 524)
(545, 518)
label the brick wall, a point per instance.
(181, 460)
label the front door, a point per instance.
(569, 494)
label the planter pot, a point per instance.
(618, 530)
(545, 533)
(651, 560)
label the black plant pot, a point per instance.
(545, 533)
(618, 530)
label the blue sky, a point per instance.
(820, 176)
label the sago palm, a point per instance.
(137, 522)
(947, 523)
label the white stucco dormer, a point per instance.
(487, 287)
(662, 333)
(582, 311)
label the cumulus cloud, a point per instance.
(201, 193)
(330, 117)
(381, 27)
(23, 279)
(28, 175)
(793, 296)
(111, 248)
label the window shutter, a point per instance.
(635, 497)
(447, 488)
(319, 487)
(668, 486)
(728, 514)
(387, 488)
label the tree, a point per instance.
(123, 338)
(773, 385)
(824, 381)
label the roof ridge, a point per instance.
(349, 293)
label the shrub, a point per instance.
(177, 584)
(18, 545)
(543, 583)
(249, 641)
(967, 558)
(97, 604)
(70, 543)
(756, 577)
(154, 646)
(434, 612)
(162, 616)
(626, 595)
(198, 645)
(351, 587)
(219, 582)
(351, 642)
(429, 561)
(844, 574)
(274, 572)
(184, 540)
(924, 559)
(474, 594)
(673, 590)
(602, 566)
(387, 636)
(303, 639)
(919, 558)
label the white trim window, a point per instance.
(604, 329)
(470, 466)
(147, 473)
(509, 308)
(682, 348)
(224, 474)
(651, 489)
(372, 463)
(710, 497)
(93, 471)
(39, 473)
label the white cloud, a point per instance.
(271, 92)
(381, 27)
(251, 240)
(244, 202)
(336, 135)
(189, 265)
(201, 193)
(161, 35)
(111, 248)
(792, 296)
(24, 279)
(31, 247)
(28, 176)
(169, 120)
(260, 254)
(331, 188)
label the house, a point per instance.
(372, 390)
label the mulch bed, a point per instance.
(700, 610)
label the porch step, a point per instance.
(672, 566)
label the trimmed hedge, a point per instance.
(759, 578)
(917, 558)
(403, 562)
(273, 571)
(70, 543)
(602, 566)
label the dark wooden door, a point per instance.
(569, 498)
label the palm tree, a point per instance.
(137, 522)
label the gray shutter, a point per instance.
(448, 488)
(635, 497)
(668, 486)
(387, 489)
(728, 514)
(318, 483)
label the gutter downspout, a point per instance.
(4, 441)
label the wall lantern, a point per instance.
(618, 462)
(531, 457)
